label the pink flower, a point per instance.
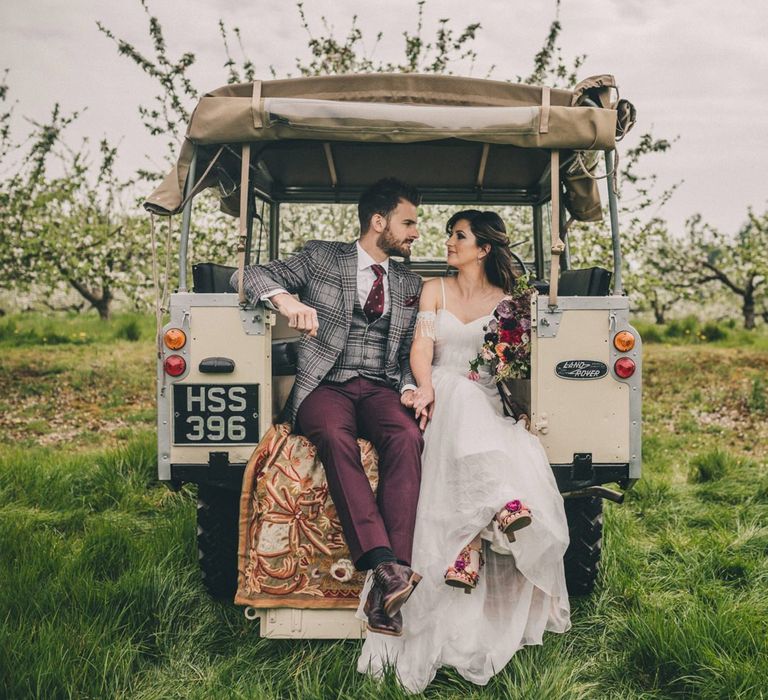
(487, 354)
(505, 309)
(473, 376)
(459, 565)
(513, 506)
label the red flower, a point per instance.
(516, 335)
(506, 336)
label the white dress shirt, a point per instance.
(366, 277)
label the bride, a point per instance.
(490, 518)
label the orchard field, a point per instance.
(100, 595)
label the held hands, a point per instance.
(300, 316)
(423, 404)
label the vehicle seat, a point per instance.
(589, 282)
(211, 278)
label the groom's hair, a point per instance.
(382, 197)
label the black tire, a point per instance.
(582, 558)
(218, 513)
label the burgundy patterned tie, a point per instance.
(374, 304)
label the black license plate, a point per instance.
(215, 413)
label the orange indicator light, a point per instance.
(624, 341)
(174, 338)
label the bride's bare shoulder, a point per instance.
(430, 295)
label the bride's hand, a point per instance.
(423, 405)
(422, 397)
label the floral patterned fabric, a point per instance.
(292, 551)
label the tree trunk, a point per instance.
(658, 313)
(100, 303)
(102, 306)
(748, 309)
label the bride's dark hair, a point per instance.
(489, 229)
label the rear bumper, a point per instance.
(576, 476)
(569, 477)
(218, 472)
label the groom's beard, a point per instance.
(389, 245)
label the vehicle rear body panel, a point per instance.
(216, 327)
(585, 415)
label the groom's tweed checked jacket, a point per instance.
(324, 275)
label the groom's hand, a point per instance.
(426, 416)
(300, 316)
(406, 398)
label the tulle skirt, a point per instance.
(474, 461)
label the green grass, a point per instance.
(29, 330)
(690, 331)
(100, 595)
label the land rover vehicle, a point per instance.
(462, 142)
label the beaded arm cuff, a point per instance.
(425, 325)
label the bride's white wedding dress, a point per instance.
(474, 461)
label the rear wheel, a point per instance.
(218, 513)
(582, 558)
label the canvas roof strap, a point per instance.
(245, 163)
(557, 245)
(544, 116)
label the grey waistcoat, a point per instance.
(365, 351)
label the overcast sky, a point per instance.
(695, 70)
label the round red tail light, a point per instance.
(624, 367)
(175, 365)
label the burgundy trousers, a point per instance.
(333, 416)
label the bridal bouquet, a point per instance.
(507, 344)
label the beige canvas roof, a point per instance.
(325, 138)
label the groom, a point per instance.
(353, 379)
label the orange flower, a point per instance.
(500, 348)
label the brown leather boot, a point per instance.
(378, 620)
(396, 582)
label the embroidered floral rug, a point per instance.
(292, 551)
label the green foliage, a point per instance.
(170, 111)
(713, 331)
(14, 334)
(67, 232)
(649, 333)
(756, 401)
(710, 466)
(26, 330)
(129, 329)
(740, 266)
(680, 328)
